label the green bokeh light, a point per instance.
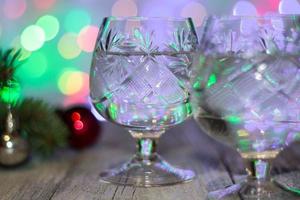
(35, 66)
(10, 94)
(244, 145)
(108, 95)
(189, 108)
(76, 19)
(113, 111)
(50, 25)
(32, 38)
(211, 80)
(197, 83)
(100, 107)
(233, 119)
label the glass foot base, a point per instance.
(252, 190)
(147, 173)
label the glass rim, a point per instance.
(239, 17)
(143, 18)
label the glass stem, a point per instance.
(146, 148)
(146, 143)
(258, 170)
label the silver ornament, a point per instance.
(14, 149)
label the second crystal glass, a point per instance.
(140, 79)
(247, 90)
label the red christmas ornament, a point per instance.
(84, 127)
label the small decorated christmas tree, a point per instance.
(37, 121)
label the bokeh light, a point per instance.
(68, 47)
(82, 95)
(196, 11)
(24, 54)
(14, 9)
(69, 27)
(124, 8)
(85, 89)
(32, 38)
(50, 25)
(244, 8)
(289, 7)
(74, 99)
(16, 43)
(266, 6)
(75, 116)
(43, 4)
(78, 125)
(76, 19)
(35, 66)
(158, 8)
(70, 82)
(87, 38)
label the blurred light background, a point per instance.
(58, 37)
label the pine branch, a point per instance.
(38, 122)
(44, 129)
(9, 62)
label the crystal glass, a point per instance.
(246, 90)
(140, 80)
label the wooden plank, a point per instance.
(38, 180)
(77, 176)
(178, 146)
(211, 154)
(206, 155)
(83, 181)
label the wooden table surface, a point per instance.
(75, 175)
